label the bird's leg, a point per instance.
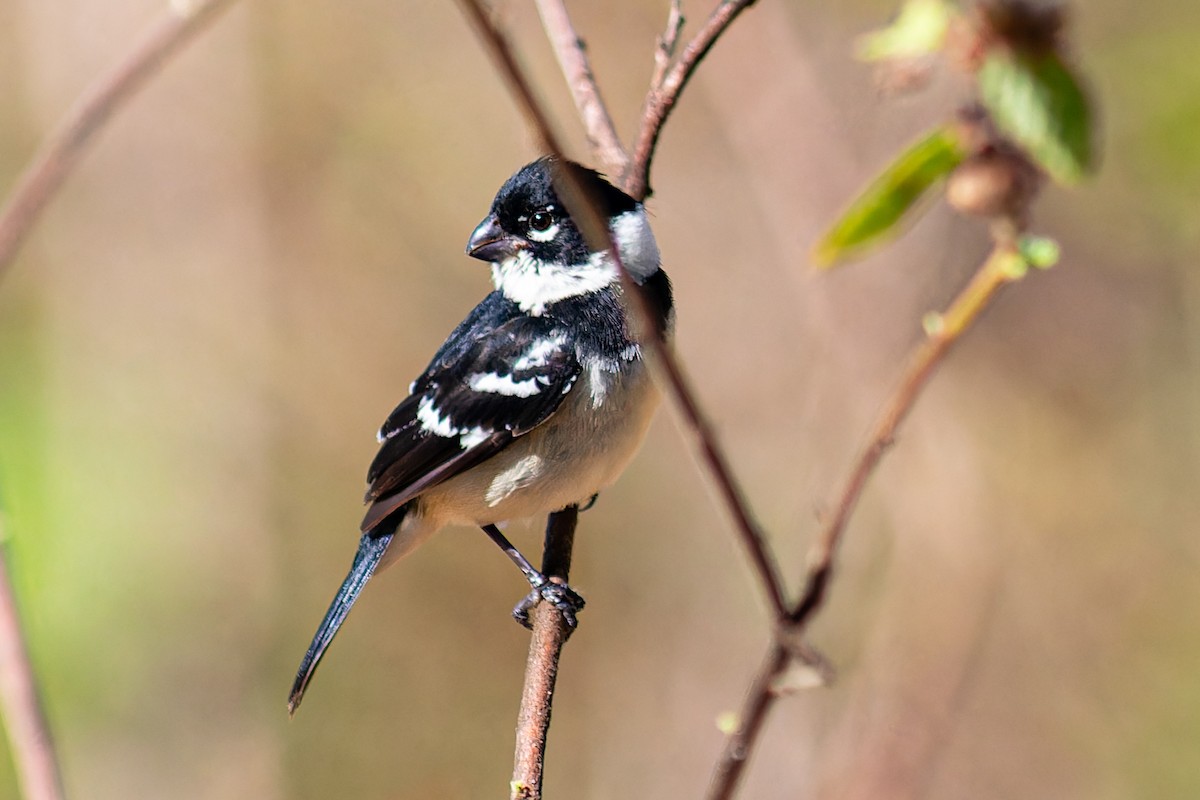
(560, 595)
(588, 505)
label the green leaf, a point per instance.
(875, 213)
(919, 29)
(1037, 102)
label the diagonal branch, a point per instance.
(595, 229)
(66, 144)
(1000, 268)
(573, 60)
(661, 99)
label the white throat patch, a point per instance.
(534, 284)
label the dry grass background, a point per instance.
(200, 339)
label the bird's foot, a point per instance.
(560, 595)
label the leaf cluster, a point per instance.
(1029, 118)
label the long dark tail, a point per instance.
(370, 550)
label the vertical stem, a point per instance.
(550, 632)
(28, 732)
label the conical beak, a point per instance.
(489, 242)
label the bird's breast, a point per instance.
(579, 451)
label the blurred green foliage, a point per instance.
(919, 29)
(874, 214)
(1039, 102)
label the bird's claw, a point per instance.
(560, 595)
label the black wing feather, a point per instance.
(497, 341)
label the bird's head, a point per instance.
(538, 253)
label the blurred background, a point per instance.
(205, 330)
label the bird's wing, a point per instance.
(475, 398)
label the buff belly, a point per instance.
(578, 452)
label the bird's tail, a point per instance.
(371, 547)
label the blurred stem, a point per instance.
(28, 732)
(59, 152)
(65, 145)
(550, 632)
(1003, 266)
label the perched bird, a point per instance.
(535, 402)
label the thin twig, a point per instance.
(28, 732)
(945, 330)
(661, 99)
(550, 632)
(664, 47)
(63, 147)
(573, 60)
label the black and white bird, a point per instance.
(536, 401)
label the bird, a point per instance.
(535, 402)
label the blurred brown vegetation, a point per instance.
(208, 325)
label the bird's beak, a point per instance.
(489, 242)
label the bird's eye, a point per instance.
(541, 221)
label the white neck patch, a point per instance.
(534, 284)
(635, 243)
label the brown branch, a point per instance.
(1002, 266)
(596, 231)
(662, 96)
(664, 47)
(63, 147)
(550, 632)
(549, 628)
(719, 470)
(28, 732)
(573, 60)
